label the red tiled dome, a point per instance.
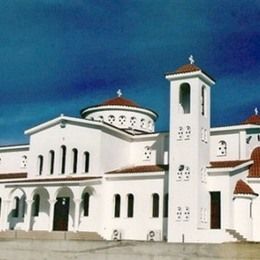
(243, 188)
(254, 170)
(187, 68)
(254, 119)
(119, 101)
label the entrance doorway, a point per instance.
(61, 214)
(215, 210)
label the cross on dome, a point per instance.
(119, 93)
(256, 111)
(191, 59)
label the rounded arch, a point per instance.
(64, 209)
(16, 192)
(87, 197)
(41, 191)
(17, 197)
(64, 192)
(89, 190)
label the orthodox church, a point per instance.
(111, 173)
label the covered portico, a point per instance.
(49, 204)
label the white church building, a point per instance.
(111, 173)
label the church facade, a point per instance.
(111, 173)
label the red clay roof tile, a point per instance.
(141, 168)
(119, 101)
(226, 164)
(254, 119)
(187, 68)
(254, 170)
(243, 188)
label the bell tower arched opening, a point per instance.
(184, 98)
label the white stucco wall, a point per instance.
(243, 215)
(233, 146)
(142, 222)
(12, 159)
(72, 136)
(150, 150)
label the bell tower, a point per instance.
(189, 200)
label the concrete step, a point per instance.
(236, 235)
(53, 235)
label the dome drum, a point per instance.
(132, 119)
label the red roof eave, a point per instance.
(141, 169)
(243, 188)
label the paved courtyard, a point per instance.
(126, 250)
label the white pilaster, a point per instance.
(51, 213)
(4, 215)
(28, 215)
(76, 214)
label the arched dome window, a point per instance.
(142, 123)
(111, 119)
(132, 121)
(122, 120)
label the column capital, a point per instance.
(29, 201)
(52, 201)
(77, 200)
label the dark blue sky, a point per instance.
(59, 56)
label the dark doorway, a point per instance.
(61, 214)
(215, 210)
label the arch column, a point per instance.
(76, 214)
(51, 213)
(4, 215)
(28, 215)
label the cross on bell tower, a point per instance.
(191, 59)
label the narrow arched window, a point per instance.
(155, 205)
(130, 205)
(86, 204)
(184, 98)
(0, 206)
(165, 205)
(203, 101)
(51, 158)
(36, 205)
(75, 160)
(40, 164)
(117, 206)
(63, 158)
(16, 207)
(86, 161)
